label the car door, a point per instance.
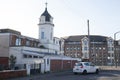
(87, 67)
(77, 66)
(92, 67)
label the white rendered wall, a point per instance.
(48, 33)
(4, 44)
(19, 51)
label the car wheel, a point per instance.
(97, 71)
(75, 73)
(84, 72)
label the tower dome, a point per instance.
(46, 15)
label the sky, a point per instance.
(70, 16)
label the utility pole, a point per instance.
(88, 40)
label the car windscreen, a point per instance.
(87, 64)
(78, 64)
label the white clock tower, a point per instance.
(46, 27)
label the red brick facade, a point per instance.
(23, 41)
(4, 61)
(12, 74)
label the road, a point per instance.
(67, 75)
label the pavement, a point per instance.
(38, 76)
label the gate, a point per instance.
(35, 68)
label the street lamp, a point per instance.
(115, 48)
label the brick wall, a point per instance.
(59, 65)
(4, 60)
(73, 63)
(12, 74)
(67, 64)
(55, 65)
(33, 42)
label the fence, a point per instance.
(109, 67)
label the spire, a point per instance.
(46, 4)
(46, 14)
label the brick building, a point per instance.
(100, 50)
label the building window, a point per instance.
(103, 48)
(40, 57)
(67, 48)
(27, 43)
(100, 48)
(74, 48)
(35, 56)
(18, 42)
(110, 45)
(29, 56)
(85, 42)
(85, 55)
(78, 48)
(35, 44)
(42, 35)
(51, 36)
(110, 49)
(56, 42)
(85, 48)
(47, 61)
(24, 56)
(110, 42)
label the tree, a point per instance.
(12, 60)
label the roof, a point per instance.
(95, 38)
(47, 15)
(9, 31)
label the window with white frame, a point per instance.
(27, 43)
(85, 48)
(85, 42)
(18, 42)
(85, 45)
(110, 44)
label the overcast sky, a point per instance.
(70, 16)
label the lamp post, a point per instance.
(115, 48)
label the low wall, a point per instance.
(109, 67)
(12, 74)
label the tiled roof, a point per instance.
(9, 31)
(95, 38)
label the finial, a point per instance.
(46, 4)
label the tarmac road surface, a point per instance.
(68, 75)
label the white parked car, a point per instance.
(85, 67)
